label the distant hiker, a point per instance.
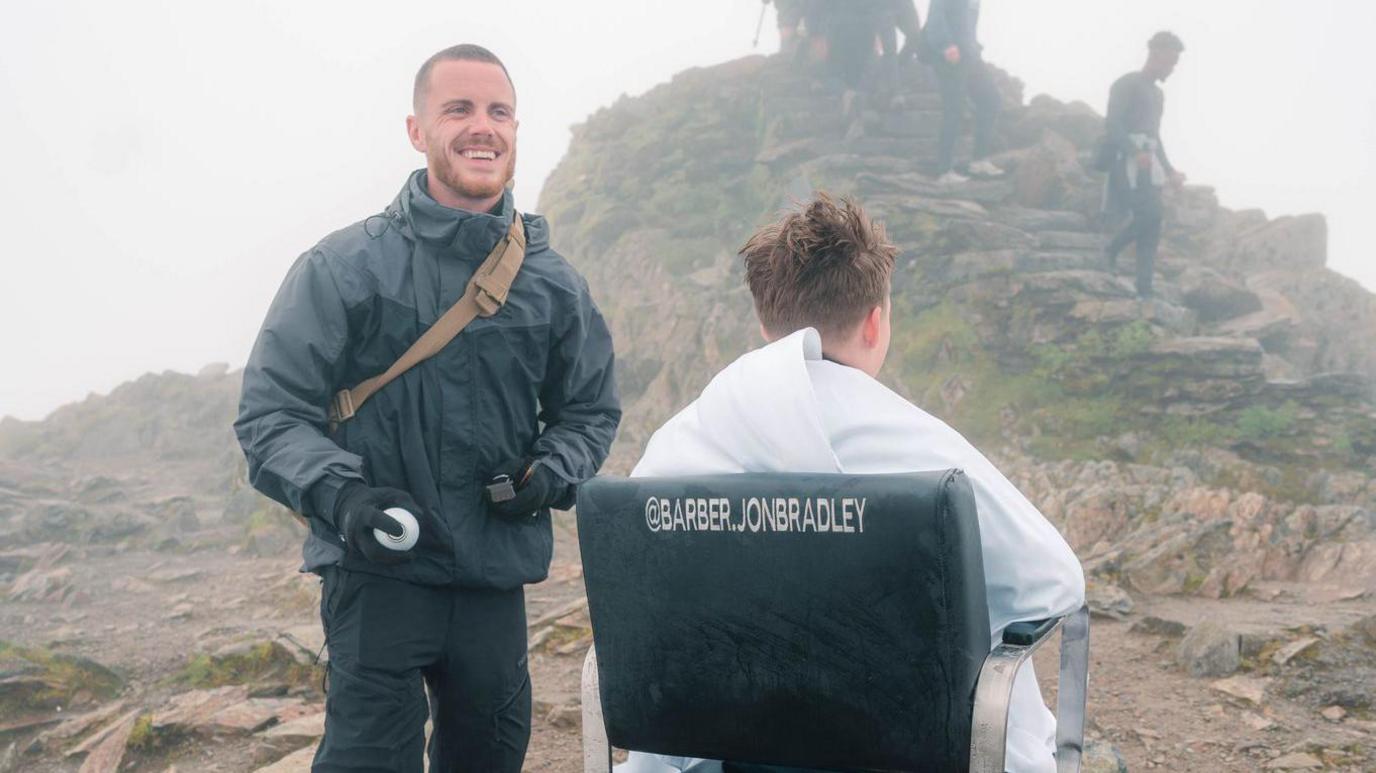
(953, 50)
(515, 391)
(1135, 158)
(908, 22)
(852, 29)
(790, 19)
(899, 16)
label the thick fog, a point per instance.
(162, 164)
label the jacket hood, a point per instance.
(467, 234)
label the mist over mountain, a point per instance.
(1209, 454)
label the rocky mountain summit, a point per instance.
(1251, 374)
(1209, 454)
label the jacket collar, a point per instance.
(469, 235)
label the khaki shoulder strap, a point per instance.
(484, 296)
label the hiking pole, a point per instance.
(759, 25)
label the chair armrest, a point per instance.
(989, 724)
(597, 749)
(1029, 633)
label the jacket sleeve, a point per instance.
(288, 382)
(1030, 572)
(1035, 574)
(1116, 118)
(938, 31)
(1161, 154)
(951, 23)
(579, 406)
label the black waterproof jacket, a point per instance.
(534, 379)
(952, 23)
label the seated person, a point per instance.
(809, 402)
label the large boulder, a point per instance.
(1209, 649)
(1293, 243)
(1048, 175)
(1215, 297)
(35, 681)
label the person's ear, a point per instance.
(765, 334)
(414, 133)
(870, 330)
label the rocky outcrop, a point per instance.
(1001, 294)
(1204, 525)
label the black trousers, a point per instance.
(1144, 229)
(850, 48)
(968, 80)
(389, 641)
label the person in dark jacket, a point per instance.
(526, 392)
(957, 57)
(1136, 158)
(899, 16)
(790, 18)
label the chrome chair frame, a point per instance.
(988, 736)
(989, 730)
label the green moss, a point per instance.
(142, 738)
(262, 662)
(1131, 340)
(1193, 432)
(1259, 422)
(1342, 444)
(41, 679)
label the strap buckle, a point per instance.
(490, 296)
(341, 407)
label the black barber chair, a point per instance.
(815, 621)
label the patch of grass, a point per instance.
(1342, 444)
(1259, 422)
(142, 737)
(1193, 432)
(39, 679)
(262, 662)
(1130, 340)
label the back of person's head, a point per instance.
(824, 265)
(1166, 41)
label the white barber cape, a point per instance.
(783, 408)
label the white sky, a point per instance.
(162, 163)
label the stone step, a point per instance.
(955, 236)
(896, 206)
(918, 184)
(966, 266)
(1072, 240)
(1037, 220)
(923, 150)
(918, 124)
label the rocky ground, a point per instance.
(1279, 682)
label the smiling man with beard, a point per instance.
(396, 368)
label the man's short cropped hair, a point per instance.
(464, 52)
(1166, 41)
(824, 265)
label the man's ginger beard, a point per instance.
(440, 162)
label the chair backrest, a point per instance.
(818, 621)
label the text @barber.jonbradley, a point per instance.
(844, 515)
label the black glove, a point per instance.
(537, 487)
(358, 511)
